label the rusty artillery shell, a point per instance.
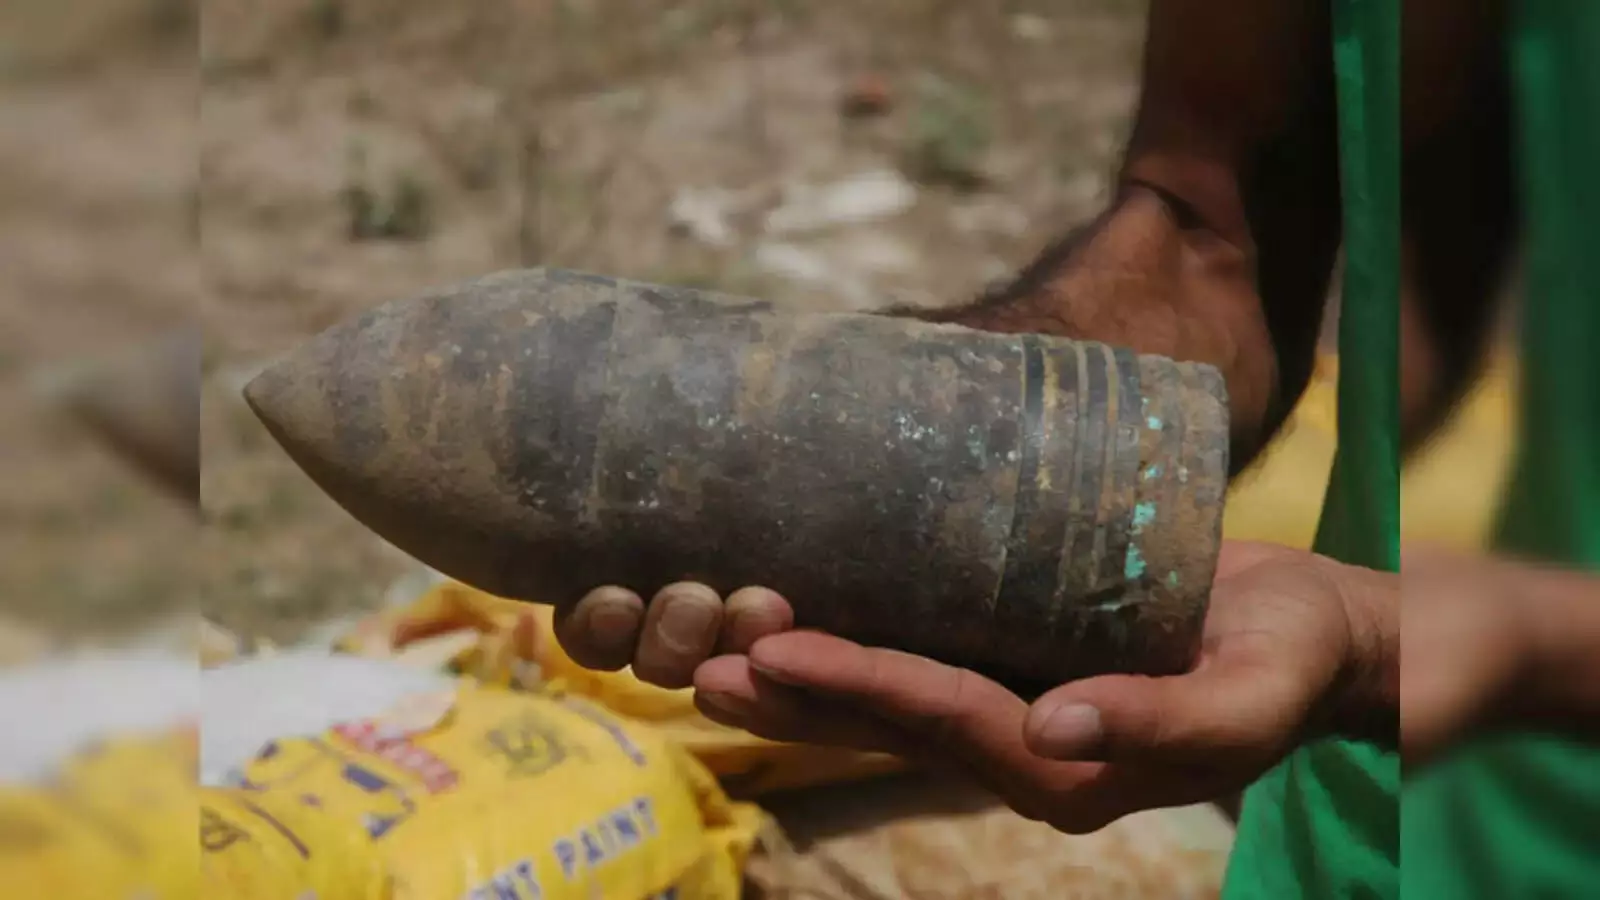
(1032, 508)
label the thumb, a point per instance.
(1211, 716)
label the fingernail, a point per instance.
(763, 662)
(1069, 729)
(685, 626)
(745, 624)
(728, 704)
(611, 625)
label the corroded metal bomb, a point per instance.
(1033, 508)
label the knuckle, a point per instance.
(929, 699)
(947, 710)
(872, 675)
(1155, 723)
(1155, 733)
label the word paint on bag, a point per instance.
(605, 839)
(435, 774)
(517, 881)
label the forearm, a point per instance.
(1221, 239)
(1136, 278)
(1365, 702)
(1543, 622)
(1495, 645)
(1558, 686)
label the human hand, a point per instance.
(1295, 646)
(684, 625)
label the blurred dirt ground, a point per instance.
(354, 151)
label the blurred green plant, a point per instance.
(326, 19)
(949, 134)
(410, 211)
(404, 212)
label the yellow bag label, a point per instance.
(511, 796)
(251, 851)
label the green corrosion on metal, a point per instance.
(1134, 567)
(1143, 514)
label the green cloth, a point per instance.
(1325, 823)
(1510, 817)
(1520, 816)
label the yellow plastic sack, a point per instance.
(510, 634)
(1450, 489)
(47, 844)
(494, 794)
(248, 852)
(116, 822)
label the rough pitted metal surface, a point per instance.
(1033, 508)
